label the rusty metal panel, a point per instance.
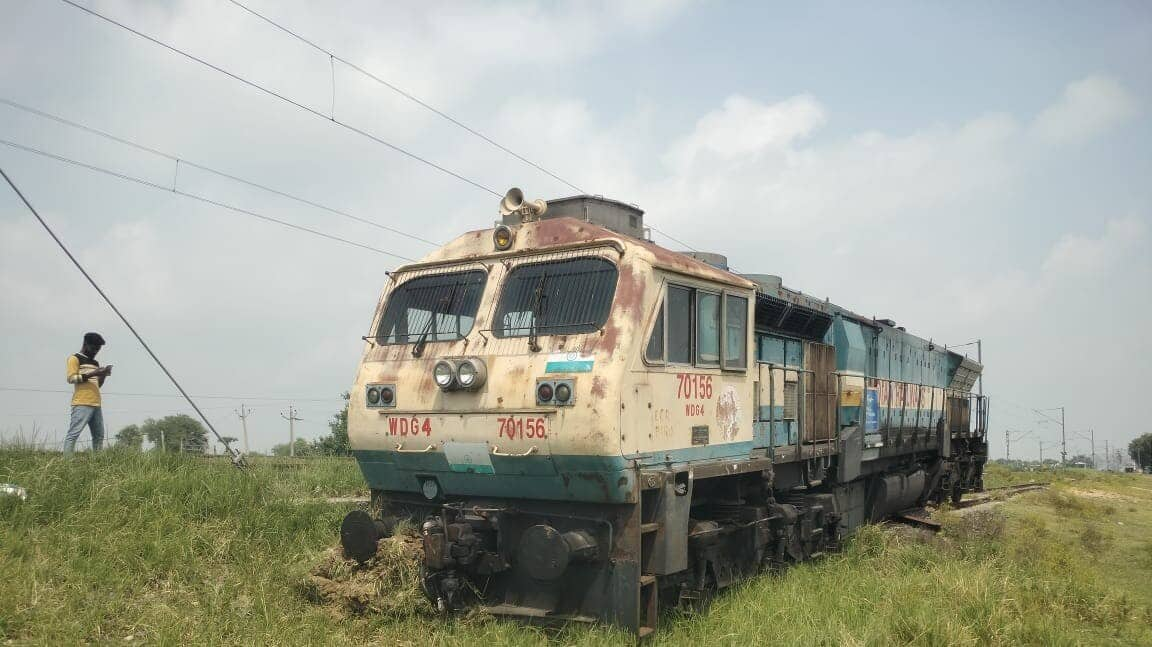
(819, 392)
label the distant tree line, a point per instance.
(1140, 450)
(175, 433)
(183, 433)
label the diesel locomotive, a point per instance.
(587, 426)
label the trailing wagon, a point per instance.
(587, 426)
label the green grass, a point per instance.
(174, 550)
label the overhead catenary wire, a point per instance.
(277, 95)
(424, 104)
(332, 56)
(222, 205)
(237, 457)
(178, 160)
(331, 118)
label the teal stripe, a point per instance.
(601, 479)
(575, 366)
(689, 455)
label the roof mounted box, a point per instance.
(619, 217)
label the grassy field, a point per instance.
(130, 548)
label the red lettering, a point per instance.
(520, 428)
(694, 387)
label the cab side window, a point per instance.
(735, 332)
(701, 328)
(707, 329)
(679, 325)
(655, 350)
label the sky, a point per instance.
(972, 170)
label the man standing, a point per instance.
(88, 376)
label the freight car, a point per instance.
(586, 426)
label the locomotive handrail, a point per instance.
(400, 448)
(496, 452)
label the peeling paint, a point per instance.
(728, 413)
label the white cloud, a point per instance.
(1088, 108)
(744, 128)
(1081, 256)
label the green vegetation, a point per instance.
(1140, 449)
(170, 549)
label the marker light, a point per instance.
(563, 392)
(502, 238)
(544, 392)
(471, 373)
(379, 396)
(444, 373)
(430, 488)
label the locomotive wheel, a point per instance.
(957, 493)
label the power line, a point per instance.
(180, 160)
(237, 458)
(162, 395)
(129, 178)
(404, 93)
(273, 93)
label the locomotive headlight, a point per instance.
(373, 395)
(471, 373)
(444, 373)
(387, 395)
(502, 238)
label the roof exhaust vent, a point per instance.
(887, 322)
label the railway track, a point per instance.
(922, 517)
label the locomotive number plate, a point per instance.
(520, 427)
(410, 426)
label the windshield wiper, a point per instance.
(537, 311)
(445, 306)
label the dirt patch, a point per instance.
(1100, 494)
(388, 584)
(984, 523)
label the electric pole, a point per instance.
(291, 418)
(1008, 441)
(1063, 435)
(1107, 458)
(243, 414)
(1063, 440)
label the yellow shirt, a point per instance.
(87, 388)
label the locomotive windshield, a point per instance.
(432, 308)
(563, 297)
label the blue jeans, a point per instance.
(84, 415)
